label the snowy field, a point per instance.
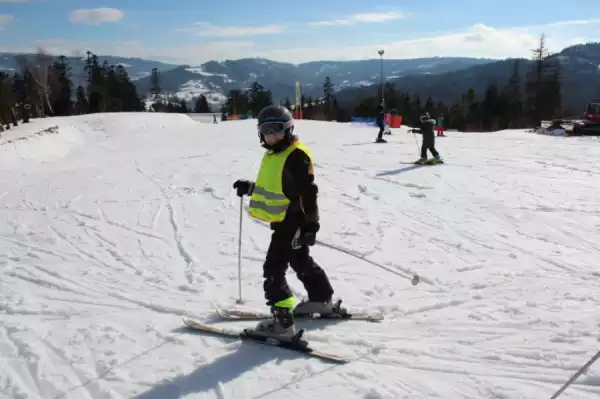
(112, 227)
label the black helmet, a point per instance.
(277, 115)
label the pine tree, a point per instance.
(258, 98)
(96, 90)
(62, 101)
(155, 89)
(553, 90)
(514, 99)
(236, 103)
(22, 96)
(7, 101)
(126, 91)
(492, 109)
(201, 106)
(428, 107)
(329, 100)
(81, 102)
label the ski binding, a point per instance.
(296, 344)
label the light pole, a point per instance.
(381, 57)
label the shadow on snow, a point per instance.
(401, 170)
(224, 369)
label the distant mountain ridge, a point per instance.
(580, 70)
(214, 79)
(442, 78)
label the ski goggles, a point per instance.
(272, 127)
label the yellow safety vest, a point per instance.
(268, 202)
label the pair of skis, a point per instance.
(296, 343)
(430, 161)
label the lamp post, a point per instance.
(381, 57)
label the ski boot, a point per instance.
(434, 160)
(421, 161)
(325, 310)
(378, 140)
(281, 327)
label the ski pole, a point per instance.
(240, 253)
(576, 375)
(417, 142)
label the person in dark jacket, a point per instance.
(285, 195)
(426, 129)
(381, 124)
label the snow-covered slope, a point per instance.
(116, 225)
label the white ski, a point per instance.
(297, 344)
(338, 314)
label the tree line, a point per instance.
(519, 103)
(43, 86)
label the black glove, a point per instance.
(307, 234)
(243, 187)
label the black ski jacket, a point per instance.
(380, 119)
(426, 127)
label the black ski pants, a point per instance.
(380, 134)
(281, 254)
(428, 144)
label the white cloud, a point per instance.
(5, 20)
(96, 16)
(363, 18)
(478, 40)
(205, 29)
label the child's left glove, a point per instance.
(307, 233)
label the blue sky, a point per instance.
(194, 31)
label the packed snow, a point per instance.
(114, 226)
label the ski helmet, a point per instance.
(275, 119)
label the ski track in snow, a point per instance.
(115, 226)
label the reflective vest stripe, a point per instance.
(271, 209)
(268, 195)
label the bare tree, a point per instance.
(40, 68)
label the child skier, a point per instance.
(285, 195)
(427, 125)
(439, 126)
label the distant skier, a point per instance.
(381, 124)
(285, 195)
(427, 125)
(439, 126)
